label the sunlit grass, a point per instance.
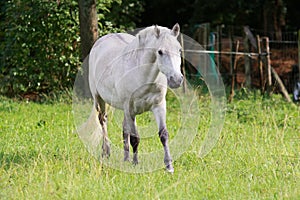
(257, 156)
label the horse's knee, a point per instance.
(134, 141)
(102, 118)
(163, 135)
(126, 146)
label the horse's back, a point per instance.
(112, 40)
(108, 47)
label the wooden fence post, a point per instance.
(219, 45)
(206, 31)
(233, 77)
(202, 36)
(231, 61)
(281, 85)
(247, 62)
(261, 72)
(268, 64)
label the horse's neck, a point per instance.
(144, 58)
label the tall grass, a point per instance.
(256, 157)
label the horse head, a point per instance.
(168, 55)
(167, 51)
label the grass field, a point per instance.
(257, 157)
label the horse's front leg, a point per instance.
(159, 112)
(130, 134)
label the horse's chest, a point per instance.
(144, 103)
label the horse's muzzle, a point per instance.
(175, 81)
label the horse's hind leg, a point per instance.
(102, 116)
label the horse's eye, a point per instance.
(160, 52)
(180, 50)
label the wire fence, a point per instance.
(247, 62)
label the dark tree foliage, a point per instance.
(293, 14)
(167, 12)
(125, 14)
(40, 41)
(39, 51)
(238, 12)
(255, 13)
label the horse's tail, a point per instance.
(91, 132)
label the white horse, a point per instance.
(132, 73)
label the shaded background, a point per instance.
(256, 13)
(40, 42)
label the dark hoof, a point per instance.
(135, 159)
(135, 162)
(105, 151)
(105, 154)
(126, 156)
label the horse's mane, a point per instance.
(143, 38)
(153, 31)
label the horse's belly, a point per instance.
(112, 100)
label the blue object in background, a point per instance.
(296, 92)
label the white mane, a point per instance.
(144, 40)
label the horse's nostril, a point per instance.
(172, 78)
(176, 79)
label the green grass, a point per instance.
(257, 156)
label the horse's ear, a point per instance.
(176, 30)
(156, 31)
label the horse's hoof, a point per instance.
(105, 151)
(126, 156)
(170, 169)
(135, 162)
(105, 154)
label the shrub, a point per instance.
(40, 49)
(40, 41)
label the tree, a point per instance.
(88, 25)
(126, 14)
(293, 14)
(274, 15)
(100, 17)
